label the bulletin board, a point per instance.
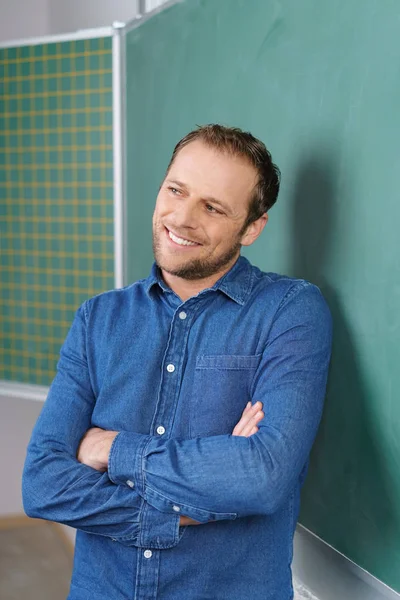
(56, 196)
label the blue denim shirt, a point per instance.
(173, 378)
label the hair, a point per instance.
(243, 144)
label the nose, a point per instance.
(185, 215)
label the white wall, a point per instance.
(85, 14)
(17, 418)
(23, 18)
(152, 4)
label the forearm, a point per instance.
(212, 478)
(56, 487)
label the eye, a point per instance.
(174, 190)
(211, 209)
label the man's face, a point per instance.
(200, 212)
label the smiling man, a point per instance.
(176, 434)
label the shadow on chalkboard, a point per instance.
(347, 498)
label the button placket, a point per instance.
(170, 382)
(148, 565)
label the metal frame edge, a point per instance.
(118, 155)
(82, 34)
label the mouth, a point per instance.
(179, 241)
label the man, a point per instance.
(152, 441)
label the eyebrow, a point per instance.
(206, 198)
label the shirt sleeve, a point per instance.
(226, 476)
(57, 487)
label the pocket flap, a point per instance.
(228, 361)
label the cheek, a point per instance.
(164, 206)
(158, 212)
(224, 235)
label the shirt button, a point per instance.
(160, 430)
(148, 553)
(130, 483)
(182, 315)
(170, 368)
(176, 508)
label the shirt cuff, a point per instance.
(126, 464)
(159, 530)
(126, 458)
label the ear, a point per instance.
(254, 230)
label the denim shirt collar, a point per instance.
(236, 283)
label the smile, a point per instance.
(181, 241)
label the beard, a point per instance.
(196, 268)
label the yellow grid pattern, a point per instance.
(56, 196)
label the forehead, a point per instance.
(211, 172)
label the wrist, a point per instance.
(106, 444)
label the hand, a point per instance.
(188, 521)
(94, 448)
(251, 415)
(246, 427)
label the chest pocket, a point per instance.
(221, 390)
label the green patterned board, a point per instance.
(56, 196)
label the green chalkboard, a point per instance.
(319, 82)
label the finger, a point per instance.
(247, 408)
(253, 431)
(255, 419)
(246, 419)
(246, 415)
(187, 521)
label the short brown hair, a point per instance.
(241, 143)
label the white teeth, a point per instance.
(180, 241)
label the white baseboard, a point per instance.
(23, 391)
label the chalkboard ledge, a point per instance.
(326, 574)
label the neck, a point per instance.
(187, 288)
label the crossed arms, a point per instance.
(206, 478)
(94, 448)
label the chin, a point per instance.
(171, 267)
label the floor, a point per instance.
(35, 561)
